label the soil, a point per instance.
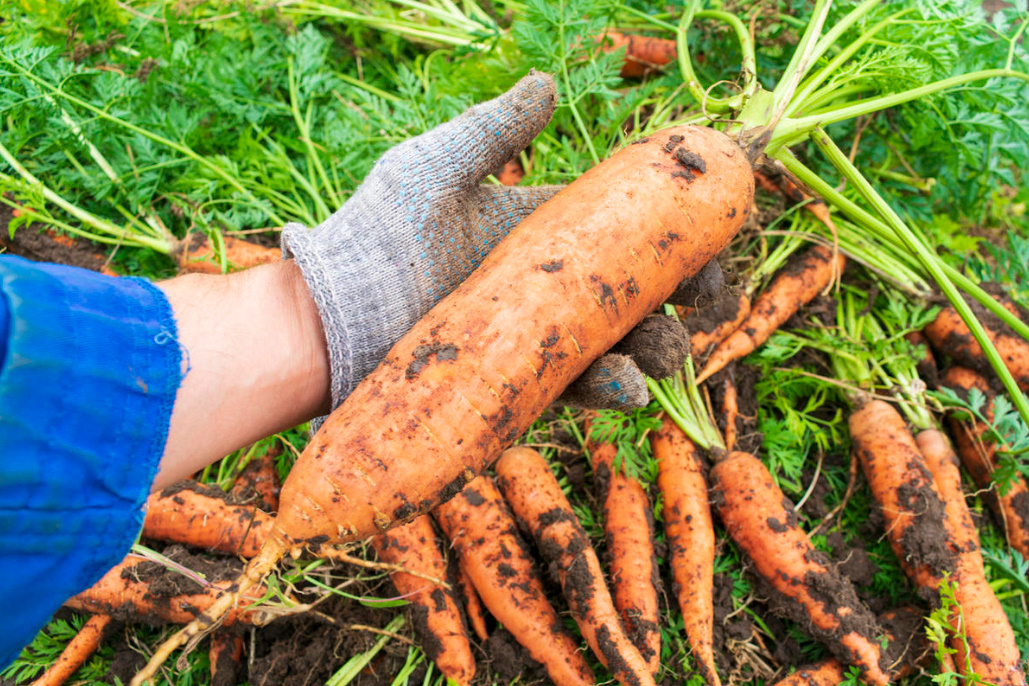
(38, 245)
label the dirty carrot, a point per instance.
(810, 589)
(926, 366)
(983, 637)
(980, 459)
(632, 569)
(783, 182)
(226, 654)
(259, 483)
(196, 255)
(712, 324)
(792, 288)
(483, 531)
(512, 173)
(437, 617)
(468, 379)
(472, 603)
(643, 54)
(950, 336)
(76, 653)
(535, 497)
(691, 539)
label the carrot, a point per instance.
(226, 653)
(709, 326)
(949, 335)
(643, 54)
(905, 649)
(196, 255)
(984, 639)
(76, 653)
(512, 173)
(629, 526)
(979, 457)
(123, 595)
(795, 286)
(691, 539)
(811, 591)
(482, 530)
(475, 371)
(438, 619)
(259, 483)
(198, 515)
(783, 182)
(472, 603)
(926, 366)
(536, 498)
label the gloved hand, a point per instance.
(417, 227)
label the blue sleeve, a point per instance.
(89, 369)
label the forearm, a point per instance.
(257, 363)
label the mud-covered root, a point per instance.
(806, 586)
(711, 324)
(76, 653)
(253, 574)
(535, 497)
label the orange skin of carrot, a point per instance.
(763, 523)
(468, 379)
(991, 650)
(482, 530)
(113, 592)
(949, 335)
(788, 292)
(691, 538)
(206, 521)
(789, 187)
(444, 636)
(225, 654)
(703, 341)
(731, 412)
(196, 255)
(535, 497)
(76, 653)
(643, 54)
(472, 603)
(979, 458)
(260, 480)
(511, 174)
(633, 567)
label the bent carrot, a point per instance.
(476, 370)
(535, 497)
(643, 54)
(482, 530)
(438, 621)
(792, 288)
(763, 523)
(980, 459)
(984, 640)
(629, 526)
(75, 654)
(709, 326)
(691, 539)
(196, 255)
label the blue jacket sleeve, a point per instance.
(89, 369)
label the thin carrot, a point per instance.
(792, 288)
(691, 539)
(123, 595)
(980, 459)
(438, 621)
(259, 483)
(813, 592)
(476, 370)
(472, 603)
(709, 326)
(226, 653)
(983, 637)
(926, 367)
(643, 54)
(535, 497)
(633, 571)
(76, 653)
(482, 530)
(783, 182)
(512, 173)
(196, 255)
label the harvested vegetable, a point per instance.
(632, 570)
(226, 655)
(77, 652)
(712, 324)
(482, 530)
(196, 255)
(438, 621)
(464, 383)
(472, 602)
(949, 335)
(643, 54)
(535, 497)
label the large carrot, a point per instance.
(75, 654)
(812, 591)
(475, 371)
(482, 530)
(949, 335)
(629, 526)
(438, 619)
(691, 539)
(196, 255)
(980, 459)
(984, 640)
(536, 498)
(795, 286)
